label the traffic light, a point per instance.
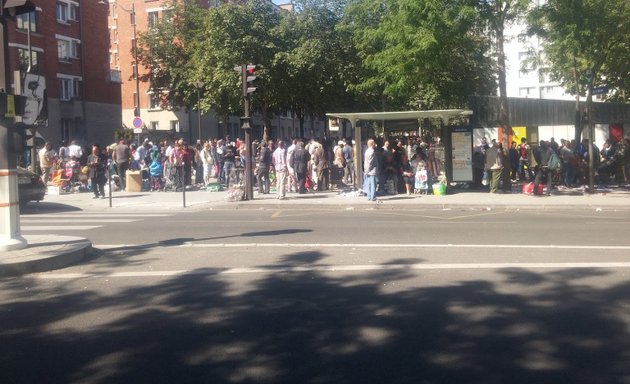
(249, 76)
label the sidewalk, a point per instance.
(51, 252)
(614, 198)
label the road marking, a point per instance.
(97, 214)
(389, 246)
(58, 227)
(328, 268)
(75, 220)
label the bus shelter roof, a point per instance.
(443, 114)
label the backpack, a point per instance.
(554, 162)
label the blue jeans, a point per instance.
(371, 187)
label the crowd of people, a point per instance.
(550, 163)
(407, 165)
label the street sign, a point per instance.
(600, 90)
(137, 130)
(137, 124)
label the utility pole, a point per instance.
(247, 77)
(10, 234)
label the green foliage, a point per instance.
(427, 51)
(586, 43)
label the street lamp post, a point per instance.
(134, 48)
(198, 84)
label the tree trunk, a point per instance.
(504, 112)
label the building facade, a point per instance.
(60, 45)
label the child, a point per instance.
(155, 170)
(421, 179)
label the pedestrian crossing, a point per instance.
(80, 221)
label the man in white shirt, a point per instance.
(46, 160)
(75, 151)
(292, 181)
(279, 159)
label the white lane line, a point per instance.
(329, 268)
(75, 220)
(331, 245)
(95, 214)
(58, 227)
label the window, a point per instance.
(23, 60)
(62, 12)
(153, 19)
(63, 50)
(154, 101)
(69, 88)
(74, 12)
(155, 125)
(546, 92)
(175, 125)
(68, 48)
(526, 63)
(526, 91)
(22, 21)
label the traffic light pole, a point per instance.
(249, 188)
(10, 236)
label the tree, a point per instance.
(586, 45)
(200, 44)
(499, 14)
(312, 61)
(419, 51)
(165, 51)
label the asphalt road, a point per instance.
(326, 296)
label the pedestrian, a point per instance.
(369, 170)
(280, 166)
(64, 155)
(46, 161)
(299, 162)
(542, 155)
(121, 157)
(75, 150)
(348, 155)
(189, 163)
(321, 169)
(493, 166)
(523, 161)
(264, 163)
(514, 160)
(97, 163)
(229, 164)
(207, 161)
(292, 181)
(177, 161)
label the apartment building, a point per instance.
(61, 44)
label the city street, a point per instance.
(325, 295)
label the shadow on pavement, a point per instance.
(310, 327)
(34, 208)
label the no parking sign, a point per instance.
(137, 125)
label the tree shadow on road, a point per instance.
(508, 326)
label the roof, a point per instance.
(444, 114)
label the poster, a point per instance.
(461, 152)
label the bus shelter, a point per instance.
(353, 117)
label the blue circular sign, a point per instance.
(137, 122)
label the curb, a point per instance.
(45, 253)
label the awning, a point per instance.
(444, 114)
